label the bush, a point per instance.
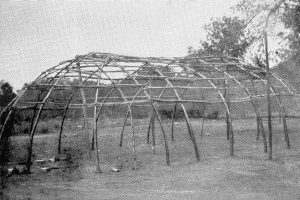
(5, 151)
(44, 130)
(213, 115)
(48, 126)
(25, 130)
(140, 112)
(193, 113)
(166, 114)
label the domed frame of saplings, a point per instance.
(148, 81)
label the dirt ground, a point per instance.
(247, 175)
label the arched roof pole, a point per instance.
(164, 134)
(95, 132)
(152, 116)
(159, 96)
(6, 121)
(254, 104)
(192, 136)
(127, 115)
(36, 122)
(285, 83)
(129, 106)
(130, 114)
(283, 114)
(80, 60)
(272, 89)
(110, 92)
(260, 126)
(223, 100)
(12, 104)
(63, 120)
(49, 71)
(84, 110)
(175, 107)
(288, 86)
(154, 108)
(131, 123)
(155, 111)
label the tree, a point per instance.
(291, 21)
(7, 94)
(225, 36)
(283, 26)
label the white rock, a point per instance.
(115, 169)
(40, 161)
(45, 169)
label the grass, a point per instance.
(109, 134)
(217, 169)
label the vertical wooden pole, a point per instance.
(153, 131)
(84, 110)
(285, 130)
(122, 133)
(164, 135)
(268, 93)
(279, 117)
(272, 10)
(29, 151)
(149, 129)
(60, 132)
(32, 131)
(6, 122)
(203, 117)
(227, 113)
(6, 133)
(191, 133)
(173, 120)
(228, 120)
(260, 125)
(228, 126)
(283, 116)
(133, 140)
(95, 130)
(263, 133)
(62, 122)
(258, 128)
(35, 122)
(192, 136)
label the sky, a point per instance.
(37, 35)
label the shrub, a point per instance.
(43, 128)
(165, 113)
(25, 130)
(213, 115)
(5, 151)
(195, 113)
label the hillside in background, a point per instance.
(290, 70)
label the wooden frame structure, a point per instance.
(151, 81)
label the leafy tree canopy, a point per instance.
(7, 94)
(242, 36)
(225, 36)
(291, 20)
(283, 26)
